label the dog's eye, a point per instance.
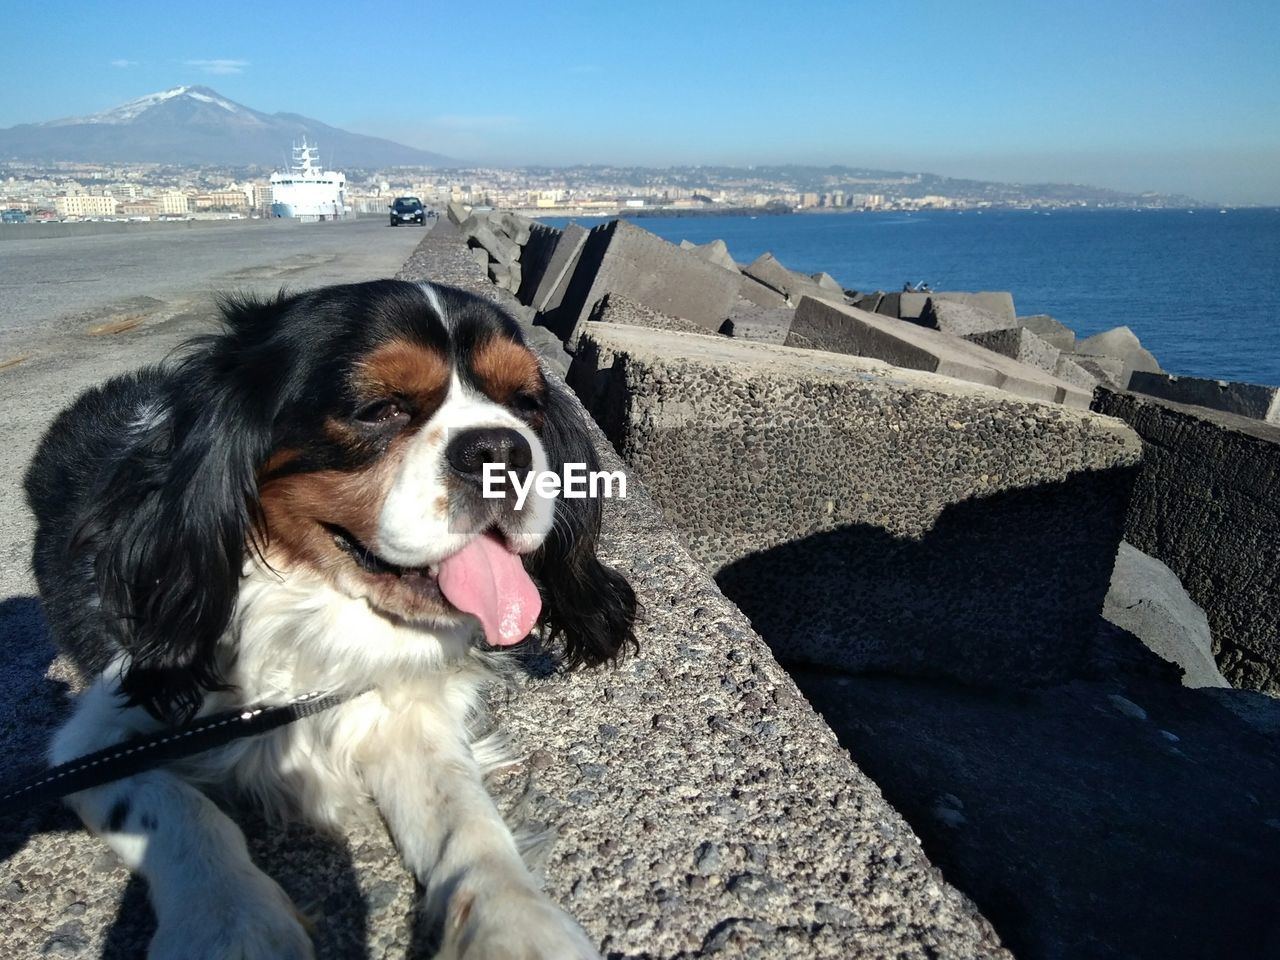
(524, 402)
(381, 412)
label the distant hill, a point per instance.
(199, 126)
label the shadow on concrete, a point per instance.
(1115, 819)
(1105, 813)
(1004, 588)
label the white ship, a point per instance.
(308, 192)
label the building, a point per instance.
(174, 203)
(83, 205)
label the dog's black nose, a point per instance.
(469, 450)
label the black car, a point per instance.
(407, 210)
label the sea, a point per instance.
(1200, 288)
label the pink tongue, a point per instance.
(488, 581)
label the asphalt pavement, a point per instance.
(52, 288)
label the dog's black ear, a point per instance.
(589, 606)
(169, 561)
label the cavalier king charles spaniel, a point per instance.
(294, 505)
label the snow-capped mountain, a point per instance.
(197, 125)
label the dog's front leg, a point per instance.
(482, 898)
(211, 902)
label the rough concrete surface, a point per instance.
(1252, 400)
(1147, 600)
(959, 319)
(554, 280)
(819, 325)
(750, 321)
(1124, 818)
(793, 285)
(866, 517)
(909, 306)
(716, 251)
(614, 308)
(1207, 504)
(535, 256)
(701, 807)
(1019, 343)
(1050, 330)
(619, 257)
(1122, 344)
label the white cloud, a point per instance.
(124, 64)
(218, 67)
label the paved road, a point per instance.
(55, 287)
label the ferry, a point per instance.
(308, 192)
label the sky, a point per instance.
(1179, 96)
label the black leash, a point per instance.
(148, 751)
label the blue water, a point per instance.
(1201, 290)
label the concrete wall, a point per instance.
(1207, 504)
(867, 517)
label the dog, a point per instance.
(295, 503)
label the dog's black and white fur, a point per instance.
(267, 516)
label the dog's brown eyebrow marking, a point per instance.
(503, 367)
(400, 368)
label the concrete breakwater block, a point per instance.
(867, 517)
(909, 305)
(1109, 820)
(843, 329)
(959, 319)
(1205, 504)
(792, 285)
(1019, 343)
(1251, 400)
(619, 257)
(1049, 329)
(553, 280)
(535, 255)
(1069, 370)
(1147, 600)
(1122, 344)
(749, 321)
(615, 308)
(716, 251)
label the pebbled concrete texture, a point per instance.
(615, 308)
(702, 808)
(1207, 504)
(867, 517)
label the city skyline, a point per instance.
(1175, 98)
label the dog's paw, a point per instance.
(516, 926)
(254, 920)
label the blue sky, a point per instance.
(1181, 95)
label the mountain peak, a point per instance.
(196, 124)
(133, 109)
